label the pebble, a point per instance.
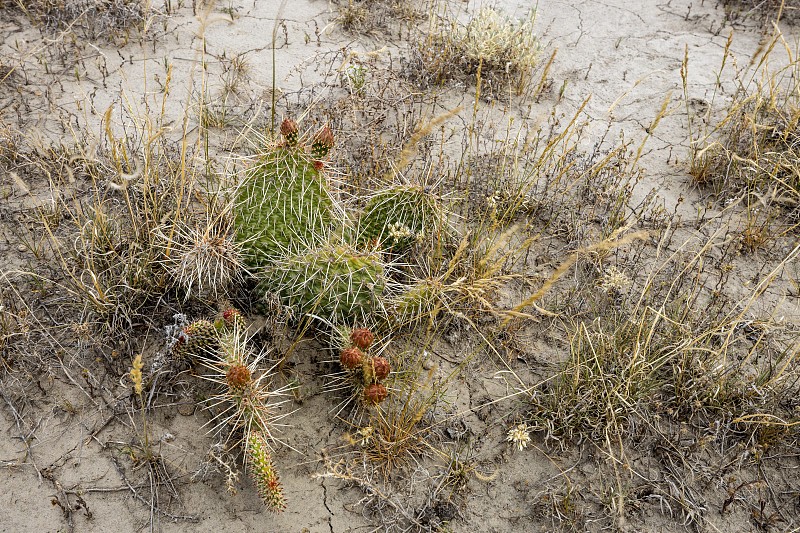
(186, 407)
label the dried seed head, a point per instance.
(381, 368)
(375, 393)
(362, 338)
(350, 357)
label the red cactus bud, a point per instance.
(362, 338)
(238, 377)
(375, 393)
(381, 368)
(318, 165)
(289, 131)
(233, 319)
(350, 357)
(323, 142)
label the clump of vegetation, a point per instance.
(765, 10)
(750, 156)
(96, 18)
(492, 43)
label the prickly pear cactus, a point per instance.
(283, 207)
(197, 339)
(398, 217)
(333, 282)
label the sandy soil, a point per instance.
(63, 436)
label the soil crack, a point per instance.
(325, 503)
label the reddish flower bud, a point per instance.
(289, 131)
(381, 368)
(375, 393)
(238, 377)
(323, 142)
(350, 357)
(362, 337)
(233, 319)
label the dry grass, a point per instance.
(750, 156)
(665, 339)
(491, 44)
(90, 18)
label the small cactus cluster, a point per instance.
(303, 245)
(294, 235)
(221, 346)
(366, 371)
(203, 260)
(202, 337)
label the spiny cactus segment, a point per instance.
(334, 282)
(283, 207)
(244, 397)
(263, 473)
(196, 338)
(400, 216)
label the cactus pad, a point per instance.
(398, 217)
(333, 282)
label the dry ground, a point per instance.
(660, 400)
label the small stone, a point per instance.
(186, 407)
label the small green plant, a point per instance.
(355, 78)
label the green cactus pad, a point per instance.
(399, 216)
(333, 282)
(283, 207)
